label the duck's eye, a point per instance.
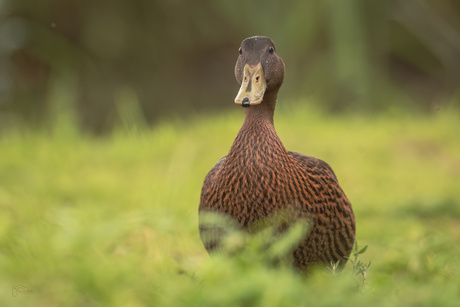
(240, 50)
(271, 49)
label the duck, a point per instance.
(260, 177)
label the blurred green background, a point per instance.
(176, 57)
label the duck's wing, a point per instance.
(314, 165)
(211, 176)
(334, 219)
(210, 233)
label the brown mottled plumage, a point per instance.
(259, 177)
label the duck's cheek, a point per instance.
(275, 73)
(253, 86)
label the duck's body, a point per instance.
(259, 177)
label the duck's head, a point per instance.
(258, 69)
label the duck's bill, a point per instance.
(252, 87)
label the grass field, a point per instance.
(89, 221)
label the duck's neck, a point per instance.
(257, 137)
(262, 113)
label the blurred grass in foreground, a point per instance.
(113, 222)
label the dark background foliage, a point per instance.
(176, 57)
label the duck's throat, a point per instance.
(263, 112)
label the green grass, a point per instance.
(112, 221)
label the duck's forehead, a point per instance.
(257, 42)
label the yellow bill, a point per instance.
(252, 87)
